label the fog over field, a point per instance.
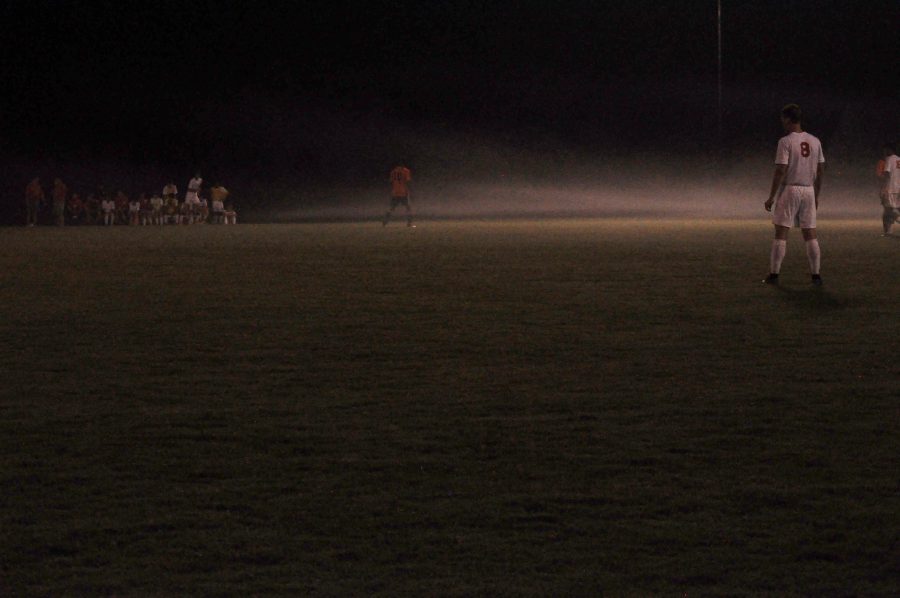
(285, 163)
(500, 109)
(701, 190)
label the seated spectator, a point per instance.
(134, 212)
(170, 190)
(59, 194)
(92, 209)
(156, 209)
(184, 212)
(146, 210)
(203, 210)
(109, 211)
(230, 214)
(75, 207)
(170, 211)
(218, 211)
(121, 206)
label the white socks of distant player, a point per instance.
(814, 255)
(779, 248)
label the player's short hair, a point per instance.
(791, 112)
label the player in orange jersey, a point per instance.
(34, 195)
(399, 178)
(121, 208)
(75, 208)
(218, 194)
(59, 194)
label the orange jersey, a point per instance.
(400, 176)
(60, 191)
(34, 191)
(218, 193)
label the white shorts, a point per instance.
(893, 200)
(795, 206)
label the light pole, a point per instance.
(719, 35)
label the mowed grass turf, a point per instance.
(463, 408)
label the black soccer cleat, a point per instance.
(771, 279)
(816, 280)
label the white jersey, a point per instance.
(134, 207)
(802, 154)
(156, 202)
(892, 172)
(108, 205)
(193, 189)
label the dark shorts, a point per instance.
(399, 201)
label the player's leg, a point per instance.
(777, 253)
(806, 218)
(813, 253)
(387, 216)
(891, 212)
(887, 219)
(784, 213)
(409, 222)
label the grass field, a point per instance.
(464, 408)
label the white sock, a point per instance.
(814, 255)
(779, 248)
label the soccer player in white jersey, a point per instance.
(134, 212)
(794, 196)
(170, 190)
(109, 211)
(890, 192)
(192, 197)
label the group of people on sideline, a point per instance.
(200, 205)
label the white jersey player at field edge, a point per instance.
(192, 198)
(890, 192)
(794, 196)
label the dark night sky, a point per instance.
(162, 82)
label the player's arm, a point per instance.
(777, 178)
(817, 186)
